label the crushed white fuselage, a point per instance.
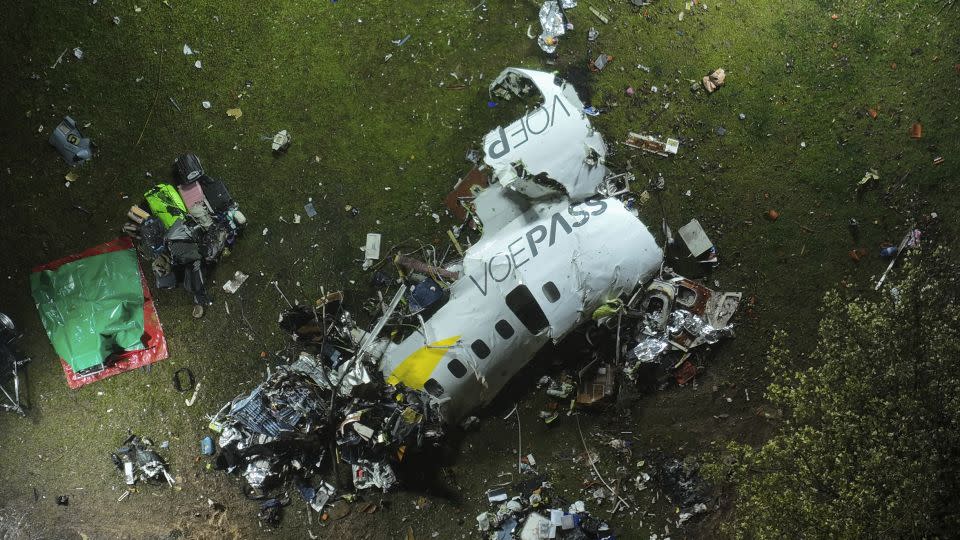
(551, 253)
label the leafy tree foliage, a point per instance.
(869, 445)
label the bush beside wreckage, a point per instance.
(559, 249)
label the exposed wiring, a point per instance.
(594, 465)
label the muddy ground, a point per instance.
(803, 74)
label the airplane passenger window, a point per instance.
(457, 368)
(551, 291)
(433, 387)
(522, 303)
(480, 349)
(504, 329)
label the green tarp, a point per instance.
(92, 307)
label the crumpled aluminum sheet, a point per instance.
(324, 493)
(229, 435)
(682, 319)
(307, 364)
(712, 335)
(677, 321)
(551, 19)
(567, 4)
(649, 349)
(350, 376)
(257, 472)
(368, 474)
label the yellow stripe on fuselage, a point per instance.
(417, 368)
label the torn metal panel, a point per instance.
(552, 149)
(701, 315)
(465, 190)
(716, 307)
(367, 474)
(597, 388)
(497, 206)
(551, 20)
(656, 306)
(138, 461)
(678, 315)
(649, 349)
(695, 238)
(653, 145)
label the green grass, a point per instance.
(360, 124)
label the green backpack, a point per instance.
(165, 203)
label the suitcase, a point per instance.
(188, 168)
(192, 194)
(215, 191)
(165, 203)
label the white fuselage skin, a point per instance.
(535, 279)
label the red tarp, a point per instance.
(153, 338)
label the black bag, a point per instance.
(184, 252)
(213, 241)
(215, 191)
(187, 168)
(182, 244)
(151, 236)
(165, 281)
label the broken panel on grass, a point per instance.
(552, 149)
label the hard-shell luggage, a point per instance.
(216, 194)
(192, 194)
(188, 168)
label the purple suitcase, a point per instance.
(191, 194)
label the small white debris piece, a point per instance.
(296, 218)
(187, 50)
(137, 9)
(206, 104)
(116, 20)
(78, 52)
(234, 284)
(281, 141)
(372, 250)
(803, 144)
(59, 59)
(436, 217)
(193, 398)
(198, 65)
(266, 230)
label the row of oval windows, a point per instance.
(519, 301)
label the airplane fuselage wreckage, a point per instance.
(559, 247)
(553, 250)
